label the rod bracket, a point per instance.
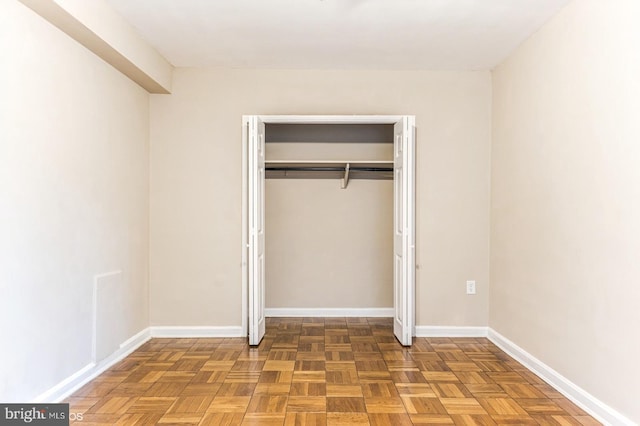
(345, 179)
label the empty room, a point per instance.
(320, 212)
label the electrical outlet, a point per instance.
(471, 287)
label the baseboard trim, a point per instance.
(596, 408)
(196, 331)
(92, 370)
(450, 331)
(329, 312)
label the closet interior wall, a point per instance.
(329, 247)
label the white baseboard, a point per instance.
(92, 370)
(450, 331)
(596, 408)
(196, 331)
(329, 312)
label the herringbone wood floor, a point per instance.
(322, 371)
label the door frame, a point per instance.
(311, 119)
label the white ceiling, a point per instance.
(337, 34)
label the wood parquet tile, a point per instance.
(319, 372)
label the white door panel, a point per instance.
(256, 278)
(404, 232)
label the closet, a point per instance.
(303, 157)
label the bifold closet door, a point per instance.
(403, 230)
(255, 221)
(404, 221)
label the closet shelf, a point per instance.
(329, 169)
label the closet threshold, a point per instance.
(329, 169)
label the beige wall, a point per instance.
(196, 182)
(74, 185)
(328, 247)
(565, 233)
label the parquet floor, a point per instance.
(322, 371)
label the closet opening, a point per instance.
(328, 214)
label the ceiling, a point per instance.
(337, 34)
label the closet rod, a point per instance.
(329, 169)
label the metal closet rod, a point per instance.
(346, 169)
(328, 169)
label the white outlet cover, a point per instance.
(471, 287)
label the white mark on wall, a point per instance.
(108, 318)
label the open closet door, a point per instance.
(403, 230)
(255, 233)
